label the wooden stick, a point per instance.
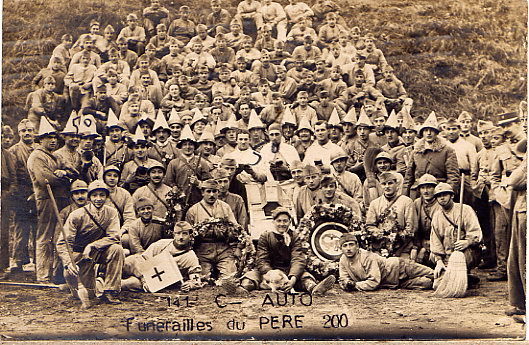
(51, 286)
(461, 191)
(59, 220)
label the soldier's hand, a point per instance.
(73, 269)
(60, 173)
(439, 268)
(193, 179)
(413, 254)
(86, 251)
(461, 245)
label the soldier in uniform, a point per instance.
(213, 252)
(393, 207)
(484, 198)
(156, 190)
(93, 234)
(433, 156)
(236, 202)
(25, 211)
(44, 169)
(188, 169)
(443, 239)
(145, 230)
(308, 194)
(425, 207)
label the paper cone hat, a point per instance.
(138, 136)
(364, 120)
(174, 117)
(112, 120)
(350, 117)
(392, 121)
(430, 122)
(334, 119)
(70, 128)
(408, 122)
(231, 124)
(45, 127)
(87, 126)
(255, 121)
(160, 122)
(197, 116)
(304, 124)
(187, 134)
(207, 136)
(288, 117)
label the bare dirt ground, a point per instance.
(28, 313)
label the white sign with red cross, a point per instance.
(160, 271)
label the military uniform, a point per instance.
(41, 165)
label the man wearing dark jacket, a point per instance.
(280, 249)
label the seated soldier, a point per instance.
(214, 250)
(180, 249)
(348, 182)
(280, 249)
(328, 194)
(443, 238)
(362, 270)
(155, 190)
(153, 16)
(394, 213)
(133, 34)
(93, 241)
(218, 21)
(143, 231)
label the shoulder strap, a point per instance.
(95, 221)
(158, 197)
(120, 211)
(205, 209)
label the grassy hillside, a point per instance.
(451, 55)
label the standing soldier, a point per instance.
(465, 153)
(44, 168)
(25, 212)
(8, 187)
(516, 263)
(360, 144)
(465, 120)
(504, 163)
(433, 156)
(483, 202)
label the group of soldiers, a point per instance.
(119, 125)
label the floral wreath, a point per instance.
(319, 214)
(387, 238)
(227, 232)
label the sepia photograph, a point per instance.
(263, 171)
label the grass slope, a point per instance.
(451, 56)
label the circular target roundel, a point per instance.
(325, 240)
